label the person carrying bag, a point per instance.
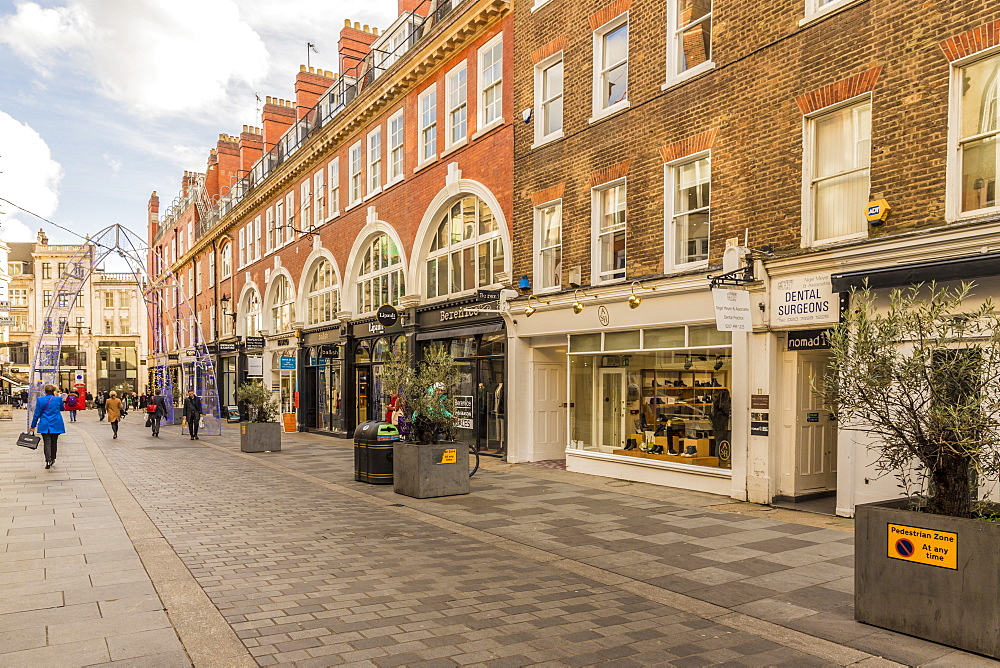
(49, 421)
(156, 410)
(192, 413)
(115, 409)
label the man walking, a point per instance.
(156, 409)
(192, 413)
(100, 402)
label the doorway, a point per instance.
(810, 472)
(549, 410)
(611, 409)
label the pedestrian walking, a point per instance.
(156, 409)
(90, 400)
(73, 402)
(48, 419)
(192, 413)
(99, 403)
(115, 409)
(24, 398)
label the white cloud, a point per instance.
(157, 57)
(113, 163)
(28, 176)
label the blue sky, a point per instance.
(104, 101)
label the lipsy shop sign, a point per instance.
(803, 300)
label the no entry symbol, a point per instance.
(904, 547)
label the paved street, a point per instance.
(164, 552)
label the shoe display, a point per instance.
(630, 444)
(690, 451)
(657, 449)
(673, 452)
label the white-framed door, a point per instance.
(610, 409)
(549, 411)
(815, 431)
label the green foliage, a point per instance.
(918, 373)
(260, 402)
(426, 392)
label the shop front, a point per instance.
(370, 346)
(226, 371)
(322, 382)
(477, 340)
(284, 374)
(640, 392)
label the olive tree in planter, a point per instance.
(919, 372)
(261, 432)
(428, 465)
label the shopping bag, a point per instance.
(149, 421)
(26, 440)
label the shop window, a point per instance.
(282, 305)
(323, 299)
(381, 277)
(671, 337)
(362, 354)
(466, 251)
(838, 173)
(621, 340)
(708, 335)
(493, 344)
(464, 346)
(979, 133)
(579, 343)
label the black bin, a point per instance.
(373, 442)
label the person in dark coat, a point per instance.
(49, 421)
(158, 412)
(192, 413)
(115, 410)
(99, 403)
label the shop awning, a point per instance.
(12, 381)
(460, 331)
(952, 269)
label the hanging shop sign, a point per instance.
(253, 342)
(387, 315)
(227, 346)
(732, 310)
(809, 339)
(803, 300)
(255, 367)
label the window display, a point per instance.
(669, 405)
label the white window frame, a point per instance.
(674, 37)
(596, 212)
(374, 161)
(953, 189)
(492, 239)
(540, 287)
(541, 102)
(319, 194)
(393, 273)
(486, 123)
(456, 105)
(269, 237)
(279, 222)
(243, 247)
(256, 238)
(305, 203)
(599, 110)
(669, 191)
(428, 131)
(356, 177)
(226, 253)
(397, 151)
(808, 160)
(316, 299)
(334, 170)
(286, 235)
(816, 9)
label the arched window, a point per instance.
(380, 280)
(226, 262)
(323, 292)
(250, 309)
(282, 305)
(466, 252)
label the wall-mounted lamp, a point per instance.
(530, 310)
(225, 307)
(577, 304)
(635, 300)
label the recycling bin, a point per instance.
(373, 441)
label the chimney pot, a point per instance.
(357, 25)
(302, 68)
(365, 28)
(347, 23)
(375, 31)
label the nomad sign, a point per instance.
(923, 546)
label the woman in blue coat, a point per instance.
(49, 421)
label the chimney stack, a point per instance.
(251, 148)
(278, 116)
(227, 164)
(310, 84)
(355, 43)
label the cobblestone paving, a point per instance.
(308, 575)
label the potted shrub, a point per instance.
(919, 372)
(428, 464)
(261, 432)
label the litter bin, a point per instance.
(373, 441)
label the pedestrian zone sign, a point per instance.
(923, 546)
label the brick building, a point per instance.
(388, 182)
(667, 140)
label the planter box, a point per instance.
(428, 471)
(260, 437)
(942, 582)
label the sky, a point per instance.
(104, 101)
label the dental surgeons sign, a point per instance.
(803, 300)
(732, 310)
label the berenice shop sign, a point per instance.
(803, 300)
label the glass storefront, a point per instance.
(227, 380)
(653, 393)
(285, 378)
(480, 398)
(117, 367)
(369, 355)
(324, 377)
